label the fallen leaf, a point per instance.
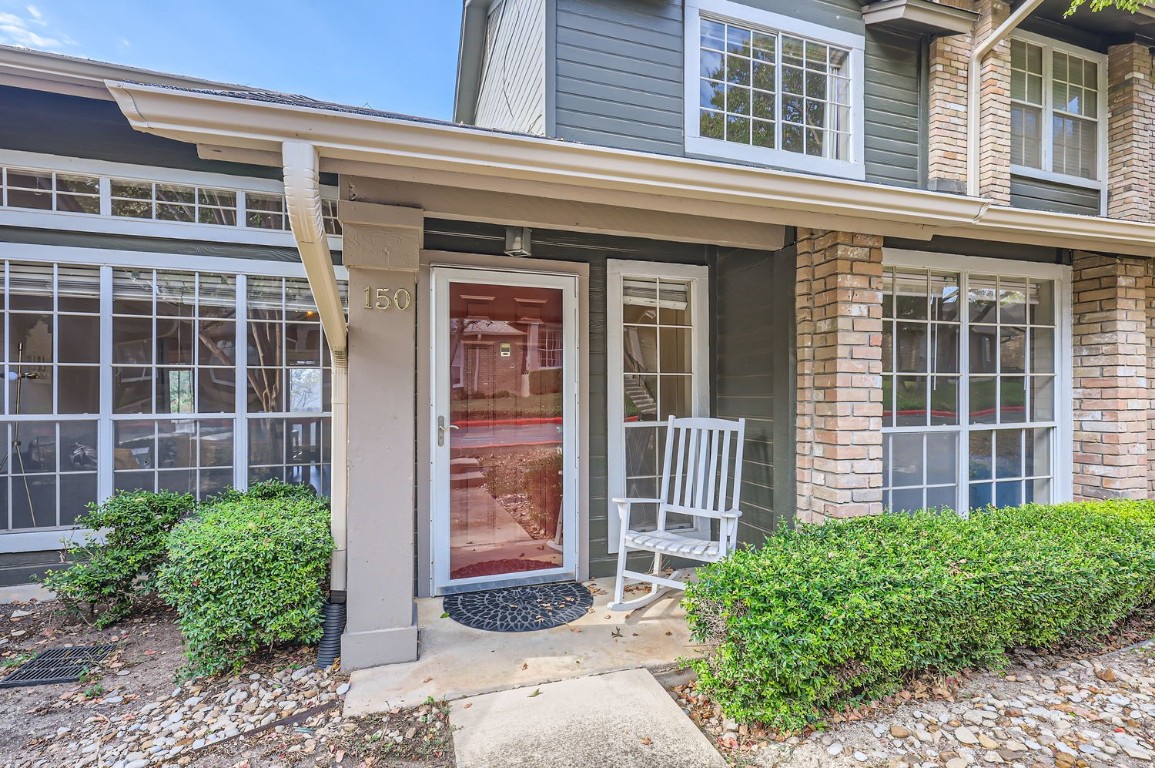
(426, 680)
(525, 665)
(468, 704)
(647, 741)
(536, 692)
(445, 615)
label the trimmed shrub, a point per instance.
(248, 572)
(111, 572)
(267, 489)
(824, 616)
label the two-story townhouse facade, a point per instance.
(159, 332)
(763, 209)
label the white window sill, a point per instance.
(792, 161)
(1058, 178)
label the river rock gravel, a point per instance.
(1095, 712)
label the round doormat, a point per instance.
(520, 609)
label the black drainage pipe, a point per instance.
(330, 647)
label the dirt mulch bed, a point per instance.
(285, 713)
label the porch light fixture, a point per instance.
(518, 242)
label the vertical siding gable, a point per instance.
(511, 95)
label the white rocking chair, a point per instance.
(701, 478)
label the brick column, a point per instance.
(1110, 377)
(838, 302)
(1150, 305)
(1131, 127)
(947, 114)
(995, 111)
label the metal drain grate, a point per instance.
(56, 665)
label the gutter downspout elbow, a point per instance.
(974, 87)
(303, 198)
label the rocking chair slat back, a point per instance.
(701, 477)
(698, 465)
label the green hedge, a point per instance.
(824, 616)
(123, 548)
(249, 571)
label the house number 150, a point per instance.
(387, 298)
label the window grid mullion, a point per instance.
(964, 395)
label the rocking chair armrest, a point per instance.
(732, 514)
(625, 504)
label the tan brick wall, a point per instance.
(995, 110)
(838, 295)
(1131, 127)
(1110, 357)
(1150, 376)
(947, 113)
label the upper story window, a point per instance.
(770, 89)
(1057, 110)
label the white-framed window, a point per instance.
(657, 340)
(93, 190)
(976, 382)
(765, 88)
(137, 376)
(1058, 111)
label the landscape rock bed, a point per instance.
(1095, 712)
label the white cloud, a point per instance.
(31, 31)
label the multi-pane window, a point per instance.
(48, 458)
(50, 191)
(173, 342)
(173, 202)
(656, 377)
(288, 372)
(1056, 107)
(265, 211)
(969, 389)
(169, 342)
(774, 90)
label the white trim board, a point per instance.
(175, 261)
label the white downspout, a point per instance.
(303, 197)
(974, 89)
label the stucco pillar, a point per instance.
(382, 246)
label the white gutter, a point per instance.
(649, 181)
(303, 198)
(974, 88)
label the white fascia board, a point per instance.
(249, 124)
(220, 120)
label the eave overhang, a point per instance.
(631, 179)
(919, 16)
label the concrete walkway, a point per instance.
(457, 661)
(621, 719)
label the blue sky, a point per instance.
(398, 55)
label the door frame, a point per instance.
(439, 278)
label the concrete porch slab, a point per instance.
(621, 719)
(456, 661)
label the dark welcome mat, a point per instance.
(520, 609)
